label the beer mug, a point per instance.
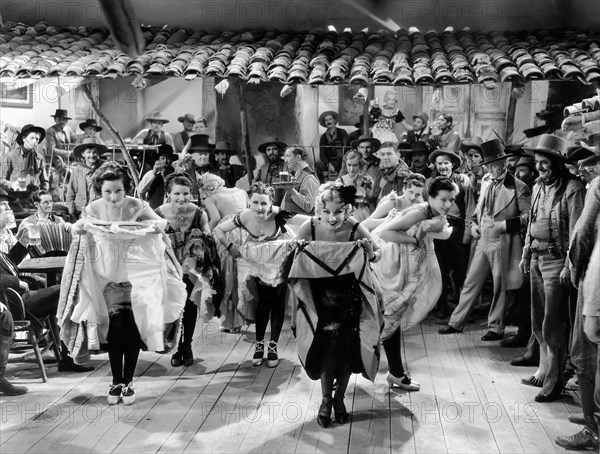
(7, 218)
(35, 235)
(284, 176)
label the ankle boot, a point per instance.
(188, 355)
(324, 415)
(177, 358)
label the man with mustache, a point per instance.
(501, 213)
(80, 191)
(231, 173)
(420, 131)
(59, 136)
(333, 144)
(453, 253)
(181, 138)
(557, 202)
(273, 148)
(418, 155)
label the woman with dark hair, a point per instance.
(259, 278)
(408, 272)
(122, 283)
(195, 249)
(338, 319)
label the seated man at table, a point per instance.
(43, 202)
(38, 303)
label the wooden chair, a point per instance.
(15, 305)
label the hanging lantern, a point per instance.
(286, 90)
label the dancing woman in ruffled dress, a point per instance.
(195, 249)
(386, 117)
(122, 284)
(408, 271)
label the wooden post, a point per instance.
(245, 136)
(114, 132)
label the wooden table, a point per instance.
(50, 266)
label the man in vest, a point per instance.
(269, 173)
(155, 134)
(80, 190)
(181, 138)
(230, 173)
(59, 136)
(300, 195)
(500, 216)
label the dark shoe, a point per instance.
(259, 352)
(114, 394)
(177, 359)
(188, 356)
(580, 441)
(341, 415)
(272, 358)
(524, 362)
(8, 389)
(577, 418)
(449, 330)
(491, 336)
(128, 394)
(67, 365)
(514, 342)
(554, 394)
(324, 415)
(532, 381)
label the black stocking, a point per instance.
(393, 351)
(123, 345)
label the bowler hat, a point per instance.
(156, 116)
(90, 122)
(89, 143)
(199, 143)
(375, 143)
(30, 128)
(418, 147)
(456, 160)
(188, 117)
(493, 150)
(61, 113)
(324, 114)
(423, 116)
(471, 143)
(223, 147)
(271, 141)
(552, 146)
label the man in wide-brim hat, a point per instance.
(154, 135)
(584, 261)
(181, 138)
(501, 214)
(420, 129)
(90, 130)
(525, 171)
(557, 203)
(417, 155)
(270, 172)
(80, 190)
(366, 145)
(230, 173)
(22, 171)
(473, 164)
(334, 142)
(59, 136)
(152, 184)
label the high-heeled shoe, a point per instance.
(177, 359)
(404, 382)
(324, 415)
(341, 415)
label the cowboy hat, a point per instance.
(188, 117)
(271, 141)
(423, 116)
(514, 150)
(30, 128)
(223, 147)
(592, 144)
(375, 143)
(577, 153)
(166, 150)
(199, 144)
(89, 143)
(492, 151)
(418, 147)
(526, 161)
(61, 113)
(328, 112)
(552, 146)
(5, 195)
(156, 116)
(456, 160)
(90, 122)
(471, 143)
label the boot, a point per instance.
(188, 355)
(6, 387)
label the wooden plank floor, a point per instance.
(471, 400)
